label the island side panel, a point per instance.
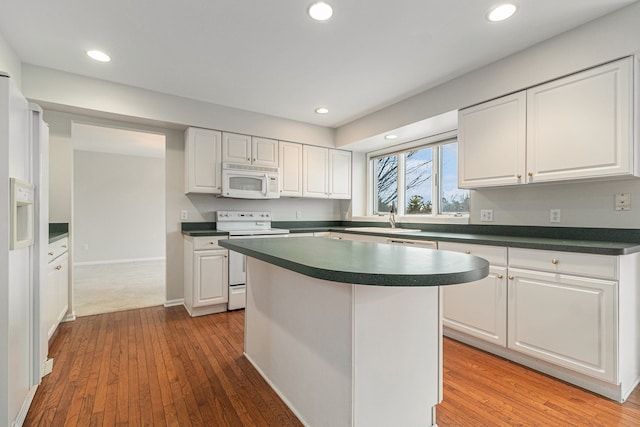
(298, 335)
(397, 355)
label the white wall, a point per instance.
(51, 88)
(118, 207)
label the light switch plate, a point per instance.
(623, 201)
(554, 215)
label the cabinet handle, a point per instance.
(50, 253)
(226, 256)
(500, 276)
(64, 246)
(254, 159)
(248, 159)
(212, 243)
(554, 261)
(58, 267)
(467, 252)
(510, 277)
(530, 174)
(518, 176)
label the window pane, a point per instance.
(418, 172)
(386, 182)
(453, 199)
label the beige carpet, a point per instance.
(106, 288)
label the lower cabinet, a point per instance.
(478, 308)
(206, 276)
(55, 301)
(569, 321)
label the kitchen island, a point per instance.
(349, 333)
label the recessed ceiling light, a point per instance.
(320, 11)
(391, 136)
(98, 55)
(322, 110)
(502, 12)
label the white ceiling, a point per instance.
(270, 57)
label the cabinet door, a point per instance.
(264, 152)
(49, 301)
(211, 278)
(203, 168)
(492, 143)
(566, 320)
(339, 174)
(581, 126)
(478, 308)
(315, 161)
(236, 148)
(290, 169)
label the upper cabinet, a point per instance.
(203, 168)
(252, 150)
(290, 160)
(576, 127)
(326, 173)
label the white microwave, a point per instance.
(250, 182)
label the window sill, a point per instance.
(417, 219)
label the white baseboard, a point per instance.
(118, 261)
(174, 302)
(22, 415)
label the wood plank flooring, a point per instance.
(158, 366)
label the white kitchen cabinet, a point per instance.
(326, 173)
(56, 294)
(478, 308)
(492, 142)
(203, 164)
(569, 321)
(206, 276)
(290, 160)
(577, 127)
(581, 126)
(251, 150)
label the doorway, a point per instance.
(118, 219)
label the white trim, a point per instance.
(118, 261)
(174, 303)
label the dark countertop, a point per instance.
(363, 263)
(58, 231)
(566, 239)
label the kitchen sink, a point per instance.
(383, 230)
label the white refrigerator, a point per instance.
(24, 156)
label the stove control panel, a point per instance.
(222, 216)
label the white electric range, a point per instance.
(243, 225)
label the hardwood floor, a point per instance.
(158, 366)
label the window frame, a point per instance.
(432, 142)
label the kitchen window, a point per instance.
(419, 178)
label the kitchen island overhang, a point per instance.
(349, 333)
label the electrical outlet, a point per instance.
(486, 215)
(184, 215)
(298, 214)
(554, 215)
(85, 246)
(623, 201)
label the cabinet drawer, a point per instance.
(496, 255)
(591, 265)
(57, 248)
(207, 242)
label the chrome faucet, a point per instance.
(392, 216)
